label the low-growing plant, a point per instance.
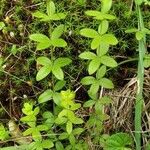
(99, 61)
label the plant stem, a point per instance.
(140, 80)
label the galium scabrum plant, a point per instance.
(64, 106)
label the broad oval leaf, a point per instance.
(59, 85)
(87, 32)
(96, 42)
(108, 61)
(102, 49)
(106, 5)
(43, 72)
(39, 38)
(131, 30)
(50, 7)
(59, 145)
(58, 73)
(119, 141)
(106, 83)
(94, 65)
(69, 127)
(101, 72)
(103, 27)
(57, 32)
(87, 55)
(44, 41)
(109, 39)
(58, 42)
(88, 80)
(89, 103)
(57, 98)
(94, 89)
(44, 61)
(61, 62)
(63, 136)
(47, 144)
(78, 131)
(42, 46)
(58, 16)
(46, 96)
(93, 13)
(40, 15)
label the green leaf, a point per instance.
(47, 115)
(107, 16)
(87, 55)
(44, 41)
(89, 103)
(119, 141)
(63, 136)
(50, 7)
(105, 100)
(94, 65)
(58, 42)
(131, 30)
(57, 32)
(59, 85)
(44, 61)
(46, 96)
(27, 109)
(93, 89)
(106, 5)
(28, 131)
(42, 46)
(3, 133)
(78, 131)
(40, 15)
(109, 39)
(42, 127)
(61, 62)
(88, 80)
(108, 61)
(43, 72)
(76, 120)
(75, 106)
(58, 16)
(139, 35)
(103, 27)
(2, 25)
(57, 98)
(106, 83)
(39, 38)
(96, 42)
(72, 139)
(47, 144)
(102, 49)
(101, 72)
(60, 120)
(59, 145)
(69, 127)
(36, 111)
(58, 73)
(87, 32)
(94, 13)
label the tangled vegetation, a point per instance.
(74, 75)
